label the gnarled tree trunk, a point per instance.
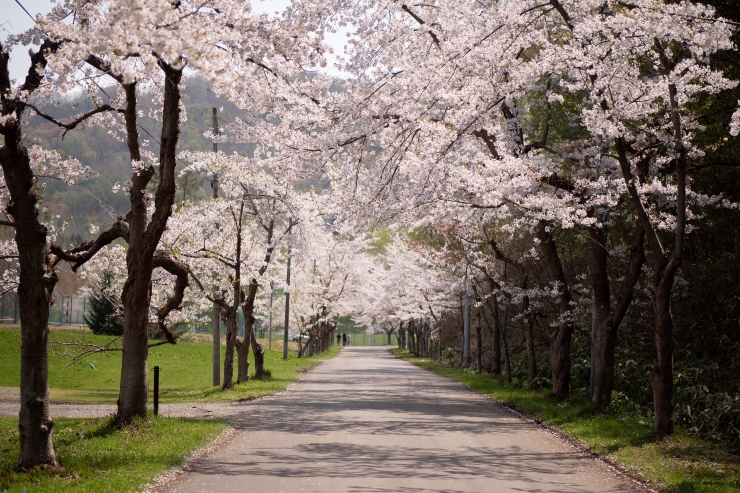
(560, 341)
(143, 240)
(607, 320)
(232, 326)
(37, 280)
(37, 277)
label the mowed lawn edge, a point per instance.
(185, 376)
(678, 464)
(97, 457)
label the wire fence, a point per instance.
(66, 310)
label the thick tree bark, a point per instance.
(502, 328)
(232, 327)
(259, 357)
(143, 240)
(560, 341)
(37, 280)
(662, 372)
(37, 276)
(242, 359)
(249, 337)
(608, 321)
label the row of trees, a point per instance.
(528, 121)
(533, 157)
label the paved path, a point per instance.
(369, 422)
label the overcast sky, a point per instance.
(16, 21)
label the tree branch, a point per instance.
(421, 22)
(181, 270)
(69, 126)
(84, 252)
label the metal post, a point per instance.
(272, 294)
(287, 296)
(156, 390)
(215, 318)
(466, 332)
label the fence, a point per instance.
(66, 310)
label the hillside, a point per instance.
(93, 200)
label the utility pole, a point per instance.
(287, 296)
(216, 319)
(272, 293)
(466, 332)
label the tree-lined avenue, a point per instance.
(366, 421)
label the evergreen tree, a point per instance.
(101, 315)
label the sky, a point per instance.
(14, 21)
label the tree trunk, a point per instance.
(242, 352)
(232, 327)
(259, 357)
(37, 280)
(605, 334)
(507, 358)
(529, 335)
(480, 343)
(495, 338)
(662, 373)
(664, 266)
(560, 341)
(531, 354)
(143, 240)
(37, 276)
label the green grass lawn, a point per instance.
(679, 464)
(99, 458)
(186, 371)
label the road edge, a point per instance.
(644, 485)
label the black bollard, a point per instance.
(156, 390)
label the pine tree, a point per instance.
(101, 315)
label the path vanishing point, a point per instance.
(366, 421)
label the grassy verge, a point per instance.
(99, 458)
(185, 376)
(679, 464)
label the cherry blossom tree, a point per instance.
(31, 252)
(459, 103)
(332, 276)
(147, 45)
(230, 240)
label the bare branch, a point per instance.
(181, 270)
(84, 252)
(69, 126)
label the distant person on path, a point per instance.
(344, 339)
(339, 338)
(349, 340)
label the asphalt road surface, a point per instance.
(369, 422)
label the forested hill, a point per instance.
(94, 200)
